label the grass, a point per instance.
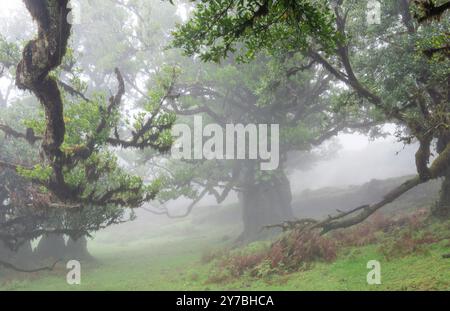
(174, 262)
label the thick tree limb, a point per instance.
(188, 211)
(141, 138)
(365, 211)
(347, 219)
(40, 56)
(29, 135)
(430, 10)
(69, 89)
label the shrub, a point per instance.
(370, 231)
(240, 263)
(218, 277)
(406, 243)
(211, 255)
(299, 248)
(295, 250)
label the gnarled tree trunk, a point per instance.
(265, 203)
(5, 253)
(52, 246)
(77, 249)
(442, 207)
(24, 257)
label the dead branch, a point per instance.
(340, 221)
(189, 209)
(293, 224)
(69, 89)
(347, 219)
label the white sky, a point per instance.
(8, 6)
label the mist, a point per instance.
(88, 174)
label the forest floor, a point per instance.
(187, 258)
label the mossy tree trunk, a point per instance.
(77, 249)
(442, 207)
(51, 246)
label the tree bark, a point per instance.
(265, 203)
(52, 246)
(5, 252)
(23, 257)
(441, 209)
(77, 249)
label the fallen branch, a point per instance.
(293, 224)
(436, 170)
(340, 221)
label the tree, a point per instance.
(268, 91)
(402, 82)
(27, 214)
(75, 175)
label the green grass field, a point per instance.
(174, 262)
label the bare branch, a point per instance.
(69, 89)
(189, 209)
(440, 165)
(29, 135)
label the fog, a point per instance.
(358, 162)
(356, 159)
(119, 193)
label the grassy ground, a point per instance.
(174, 263)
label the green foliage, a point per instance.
(82, 118)
(99, 187)
(9, 52)
(38, 173)
(246, 27)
